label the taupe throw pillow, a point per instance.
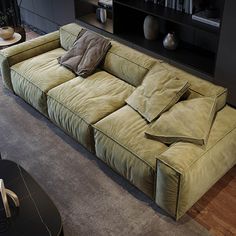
(157, 94)
(187, 121)
(86, 54)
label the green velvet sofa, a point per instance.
(93, 111)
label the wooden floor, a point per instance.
(216, 210)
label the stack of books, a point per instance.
(185, 6)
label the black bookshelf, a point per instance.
(202, 50)
(166, 13)
(198, 42)
(186, 54)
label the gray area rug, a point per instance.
(92, 199)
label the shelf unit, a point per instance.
(195, 38)
(186, 54)
(198, 42)
(166, 13)
(85, 11)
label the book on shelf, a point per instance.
(159, 2)
(201, 17)
(173, 4)
(191, 7)
(185, 6)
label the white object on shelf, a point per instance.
(166, 3)
(191, 7)
(200, 16)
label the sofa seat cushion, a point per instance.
(77, 104)
(33, 78)
(120, 142)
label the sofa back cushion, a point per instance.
(68, 35)
(198, 87)
(132, 66)
(127, 63)
(121, 61)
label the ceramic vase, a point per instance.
(6, 32)
(101, 15)
(170, 42)
(150, 27)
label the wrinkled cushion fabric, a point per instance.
(199, 87)
(157, 94)
(23, 51)
(34, 77)
(127, 64)
(187, 121)
(196, 168)
(120, 142)
(76, 105)
(86, 54)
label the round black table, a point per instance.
(37, 215)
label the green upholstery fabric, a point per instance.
(157, 94)
(187, 121)
(120, 142)
(33, 78)
(77, 104)
(199, 87)
(127, 64)
(68, 35)
(93, 111)
(186, 171)
(18, 53)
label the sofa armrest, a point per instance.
(186, 171)
(20, 52)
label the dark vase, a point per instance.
(170, 42)
(150, 27)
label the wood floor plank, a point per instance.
(216, 210)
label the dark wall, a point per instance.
(47, 15)
(226, 58)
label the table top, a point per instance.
(37, 215)
(15, 38)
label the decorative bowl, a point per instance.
(6, 32)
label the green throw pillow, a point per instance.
(158, 93)
(187, 121)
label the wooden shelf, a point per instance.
(92, 20)
(194, 57)
(167, 14)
